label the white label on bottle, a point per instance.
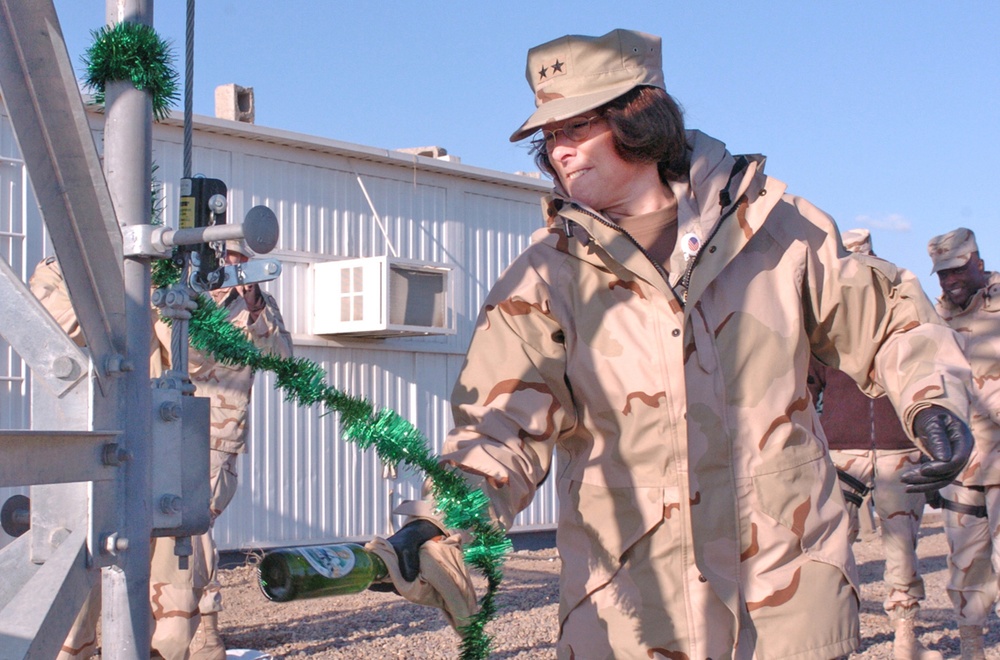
(332, 561)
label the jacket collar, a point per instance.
(977, 300)
(708, 215)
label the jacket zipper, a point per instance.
(686, 277)
(659, 268)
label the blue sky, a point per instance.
(886, 114)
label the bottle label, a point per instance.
(332, 561)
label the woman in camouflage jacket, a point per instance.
(655, 337)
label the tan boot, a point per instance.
(207, 643)
(906, 646)
(972, 642)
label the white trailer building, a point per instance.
(386, 258)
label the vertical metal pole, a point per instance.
(128, 168)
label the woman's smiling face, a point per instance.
(592, 172)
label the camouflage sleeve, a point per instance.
(268, 331)
(159, 350)
(511, 401)
(873, 321)
(49, 287)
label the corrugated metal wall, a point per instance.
(300, 483)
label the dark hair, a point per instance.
(646, 125)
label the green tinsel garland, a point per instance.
(394, 439)
(135, 52)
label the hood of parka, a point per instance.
(716, 182)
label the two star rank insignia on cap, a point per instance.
(557, 67)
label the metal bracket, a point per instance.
(259, 229)
(180, 488)
(257, 270)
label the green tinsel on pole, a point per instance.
(134, 52)
(393, 438)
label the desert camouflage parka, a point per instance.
(978, 325)
(688, 405)
(228, 387)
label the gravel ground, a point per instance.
(383, 625)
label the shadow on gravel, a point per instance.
(389, 619)
(338, 630)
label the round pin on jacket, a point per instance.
(690, 244)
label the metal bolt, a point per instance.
(217, 204)
(182, 547)
(118, 364)
(15, 515)
(170, 411)
(270, 267)
(58, 535)
(113, 454)
(170, 503)
(113, 544)
(64, 367)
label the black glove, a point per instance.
(407, 541)
(254, 300)
(949, 442)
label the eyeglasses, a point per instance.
(576, 129)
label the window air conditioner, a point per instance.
(381, 297)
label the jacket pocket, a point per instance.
(597, 525)
(792, 487)
(802, 499)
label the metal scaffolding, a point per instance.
(98, 422)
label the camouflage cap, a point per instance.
(857, 240)
(952, 250)
(574, 74)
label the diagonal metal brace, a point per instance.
(47, 601)
(29, 328)
(50, 123)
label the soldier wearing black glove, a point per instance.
(406, 543)
(426, 566)
(254, 300)
(949, 443)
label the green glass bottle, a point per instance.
(318, 570)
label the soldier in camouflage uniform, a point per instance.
(186, 603)
(48, 285)
(655, 336)
(871, 452)
(970, 303)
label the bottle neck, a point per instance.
(379, 569)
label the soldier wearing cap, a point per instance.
(656, 336)
(871, 452)
(186, 603)
(970, 303)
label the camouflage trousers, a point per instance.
(973, 551)
(177, 597)
(899, 515)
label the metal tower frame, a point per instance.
(98, 423)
